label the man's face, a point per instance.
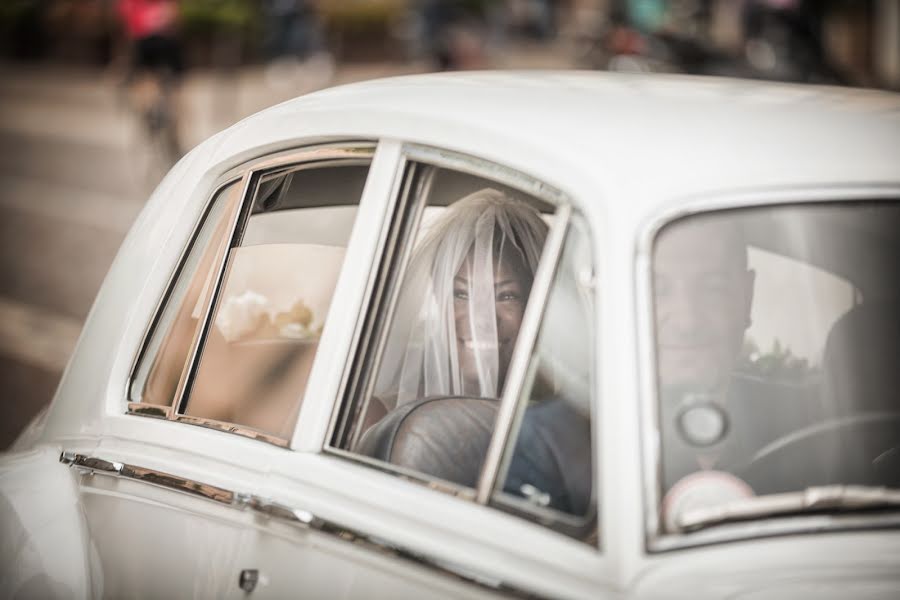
(703, 293)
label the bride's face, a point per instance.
(511, 286)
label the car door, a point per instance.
(516, 511)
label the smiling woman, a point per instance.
(463, 300)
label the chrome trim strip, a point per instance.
(232, 428)
(819, 498)
(268, 508)
(655, 540)
(521, 357)
(363, 150)
(276, 510)
(775, 527)
(471, 165)
(150, 410)
(92, 465)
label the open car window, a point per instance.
(470, 261)
(237, 336)
(548, 461)
(776, 339)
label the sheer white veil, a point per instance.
(454, 272)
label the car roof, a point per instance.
(652, 137)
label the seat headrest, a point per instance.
(445, 437)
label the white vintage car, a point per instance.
(557, 335)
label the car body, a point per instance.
(167, 494)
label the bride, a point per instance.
(462, 302)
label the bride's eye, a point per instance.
(460, 294)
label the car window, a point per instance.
(161, 366)
(777, 334)
(436, 353)
(548, 470)
(255, 340)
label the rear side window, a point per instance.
(238, 336)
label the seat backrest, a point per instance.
(861, 362)
(444, 436)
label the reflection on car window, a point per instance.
(551, 465)
(275, 297)
(777, 334)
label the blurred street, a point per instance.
(77, 160)
(75, 172)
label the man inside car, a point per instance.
(713, 417)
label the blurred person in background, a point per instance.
(294, 44)
(156, 65)
(291, 29)
(784, 41)
(453, 33)
(151, 29)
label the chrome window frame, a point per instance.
(247, 174)
(350, 396)
(655, 540)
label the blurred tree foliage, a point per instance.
(11, 10)
(778, 364)
(21, 34)
(207, 16)
(361, 15)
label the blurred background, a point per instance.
(98, 98)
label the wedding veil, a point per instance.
(455, 322)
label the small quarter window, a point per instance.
(164, 358)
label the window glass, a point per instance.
(161, 367)
(777, 333)
(798, 330)
(551, 464)
(435, 354)
(436, 361)
(277, 288)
